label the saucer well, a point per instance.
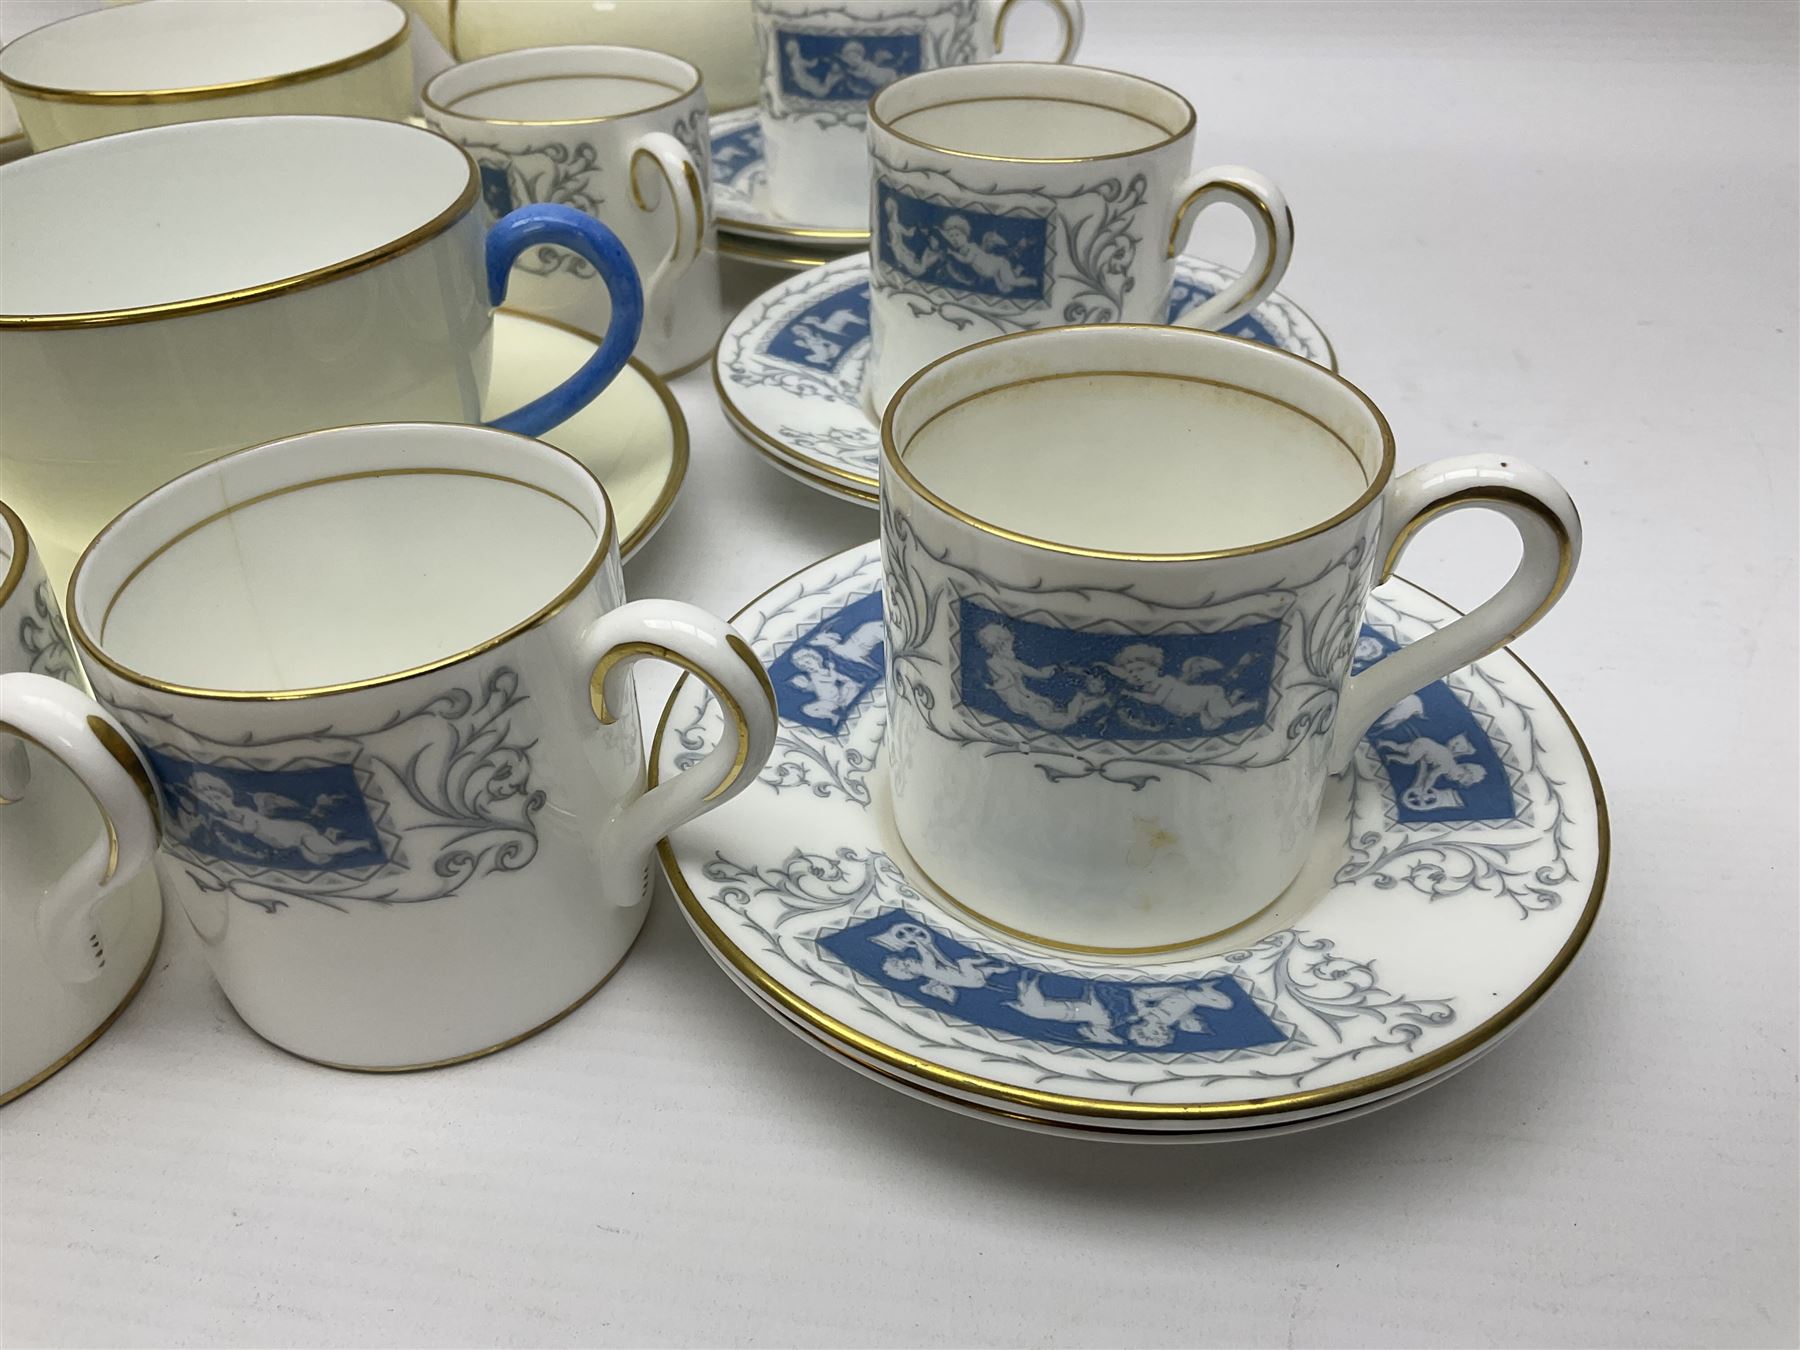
(741, 206)
(1428, 920)
(633, 436)
(789, 369)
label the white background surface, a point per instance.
(1562, 232)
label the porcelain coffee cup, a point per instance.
(260, 276)
(1022, 195)
(1125, 569)
(617, 132)
(822, 60)
(79, 910)
(128, 67)
(381, 677)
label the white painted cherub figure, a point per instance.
(221, 810)
(1438, 762)
(940, 976)
(876, 71)
(1007, 675)
(832, 690)
(986, 259)
(1202, 691)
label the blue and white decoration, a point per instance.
(834, 67)
(44, 638)
(568, 174)
(737, 151)
(1114, 686)
(820, 680)
(409, 810)
(963, 249)
(822, 335)
(800, 885)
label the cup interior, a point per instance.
(338, 557)
(167, 47)
(200, 210)
(1140, 441)
(1035, 111)
(561, 85)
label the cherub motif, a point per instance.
(987, 259)
(820, 350)
(280, 823)
(941, 977)
(1007, 675)
(802, 71)
(876, 70)
(917, 260)
(1438, 762)
(1404, 711)
(1160, 1011)
(859, 646)
(1092, 1021)
(1200, 692)
(832, 690)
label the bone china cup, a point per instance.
(1125, 569)
(381, 676)
(822, 60)
(238, 280)
(618, 132)
(146, 65)
(1022, 195)
(79, 908)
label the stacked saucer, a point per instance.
(1434, 912)
(750, 229)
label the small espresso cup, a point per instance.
(128, 67)
(79, 908)
(270, 275)
(381, 678)
(822, 60)
(617, 132)
(1125, 567)
(1024, 195)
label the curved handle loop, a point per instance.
(1550, 530)
(709, 648)
(67, 724)
(681, 185)
(554, 223)
(1267, 211)
(1074, 23)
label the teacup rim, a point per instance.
(91, 648)
(894, 462)
(21, 546)
(573, 49)
(50, 93)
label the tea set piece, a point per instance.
(1433, 911)
(13, 140)
(633, 437)
(80, 915)
(615, 132)
(740, 179)
(791, 368)
(127, 67)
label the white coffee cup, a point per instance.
(822, 60)
(127, 67)
(618, 132)
(1022, 195)
(79, 910)
(380, 675)
(1125, 568)
(258, 276)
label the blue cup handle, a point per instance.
(551, 223)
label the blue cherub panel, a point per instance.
(1185, 294)
(1438, 758)
(903, 954)
(301, 819)
(843, 67)
(961, 248)
(824, 676)
(1114, 686)
(820, 336)
(735, 151)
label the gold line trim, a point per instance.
(546, 612)
(744, 249)
(116, 747)
(849, 241)
(847, 480)
(452, 110)
(282, 79)
(21, 547)
(1062, 12)
(690, 179)
(1245, 197)
(450, 27)
(876, 118)
(893, 460)
(13, 1094)
(201, 304)
(1030, 1098)
(627, 652)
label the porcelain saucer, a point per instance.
(789, 369)
(633, 436)
(741, 206)
(1428, 920)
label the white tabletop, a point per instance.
(1559, 231)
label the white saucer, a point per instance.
(740, 205)
(633, 436)
(789, 369)
(1424, 926)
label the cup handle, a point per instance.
(67, 724)
(1550, 531)
(681, 184)
(1074, 22)
(554, 223)
(709, 648)
(1267, 211)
